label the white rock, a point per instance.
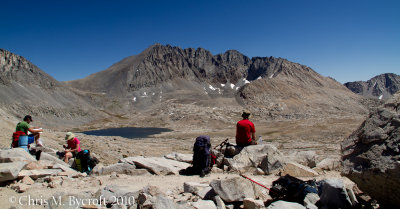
(15, 154)
(157, 165)
(250, 203)
(119, 168)
(329, 164)
(27, 180)
(298, 170)
(204, 204)
(187, 158)
(206, 193)
(234, 189)
(46, 156)
(193, 187)
(10, 171)
(307, 158)
(286, 205)
(266, 156)
(310, 200)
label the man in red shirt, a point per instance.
(245, 131)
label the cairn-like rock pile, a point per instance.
(371, 155)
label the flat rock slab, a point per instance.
(34, 174)
(15, 154)
(234, 189)
(10, 171)
(298, 170)
(203, 204)
(286, 205)
(48, 157)
(187, 158)
(157, 165)
(119, 168)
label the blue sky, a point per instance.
(348, 40)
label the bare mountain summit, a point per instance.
(380, 87)
(26, 89)
(272, 87)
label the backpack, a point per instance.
(84, 162)
(15, 138)
(292, 189)
(202, 155)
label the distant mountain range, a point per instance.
(153, 81)
(381, 87)
(271, 86)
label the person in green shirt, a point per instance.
(25, 127)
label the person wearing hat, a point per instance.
(25, 127)
(245, 131)
(72, 148)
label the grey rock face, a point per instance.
(333, 194)
(234, 189)
(266, 156)
(371, 155)
(380, 87)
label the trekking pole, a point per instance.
(222, 143)
(256, 182)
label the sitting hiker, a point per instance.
(72, 148)
(245, 131)
(25, 127)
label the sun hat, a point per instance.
(246, 114)
(69, 136)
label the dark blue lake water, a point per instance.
(128, 132)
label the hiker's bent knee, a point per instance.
(68, 155)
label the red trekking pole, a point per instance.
(256, 182)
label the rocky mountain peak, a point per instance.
(15, 68)
(380, 87)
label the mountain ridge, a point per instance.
(160, 72)
(26, 89)
(382, 86)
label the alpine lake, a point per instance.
(128, 132)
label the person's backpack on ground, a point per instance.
(202, 162)
(292, 189)
(84, 162)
